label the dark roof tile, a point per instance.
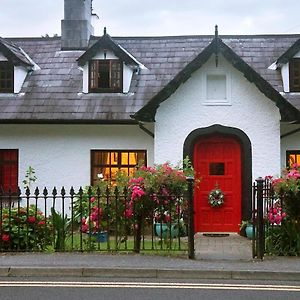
(53, 93)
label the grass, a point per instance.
(149, 245)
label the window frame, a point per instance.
(15, 162)
(5, 67)
(118, 164)
(292, 68)
(288, 153)
(109, 89)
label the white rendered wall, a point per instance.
(60, 154)
(248, 110)
(127, 72)
(20, 74)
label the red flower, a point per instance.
(41, 223)
(5, 237)
(31, 219)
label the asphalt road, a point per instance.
(73, 289)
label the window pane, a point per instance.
(217, 168)
(133, 158)
(124, 158)
(6, 77)
(114, 158)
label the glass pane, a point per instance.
(133, 158)
(114, 158)
(124, 158)
(217, 168)
(141, 157)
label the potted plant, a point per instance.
(247, 226)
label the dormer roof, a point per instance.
(14, 53)
(289, 53)
(107, 43)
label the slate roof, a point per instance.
(54, 93)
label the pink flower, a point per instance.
(128, 213)
(137, 192)
(93, 199)
(84, 228)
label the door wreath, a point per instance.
(216, 197)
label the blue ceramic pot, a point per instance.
(163, 230)
(249, 231)
(101, 237)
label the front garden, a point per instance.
(144, 212)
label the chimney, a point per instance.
(76, 27)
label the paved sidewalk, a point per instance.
(216, 258)
(145, 266)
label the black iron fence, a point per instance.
(95, 220)
(266, 215)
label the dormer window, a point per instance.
(105, 76)
(294, 70)
(6, 77)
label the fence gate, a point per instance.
(263, 199)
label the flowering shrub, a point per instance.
(24, 229)
(288, 189)
(157, 189)
(285, 239)
(91, 210)
(275, 214)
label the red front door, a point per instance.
(217, 160)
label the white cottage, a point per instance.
(77, 106)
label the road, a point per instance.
(49, 289)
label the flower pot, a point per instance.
(163, 230)
(249, 231)
(101, 237)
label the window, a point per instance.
(9, 170)
(6, 77)
(105, 76)
(217, 168)
(105, 163)
(216, 87)
(294, 69)
(292, 157)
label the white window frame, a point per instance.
(220, 72)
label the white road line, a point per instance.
(149, 285)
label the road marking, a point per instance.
(149, 285)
